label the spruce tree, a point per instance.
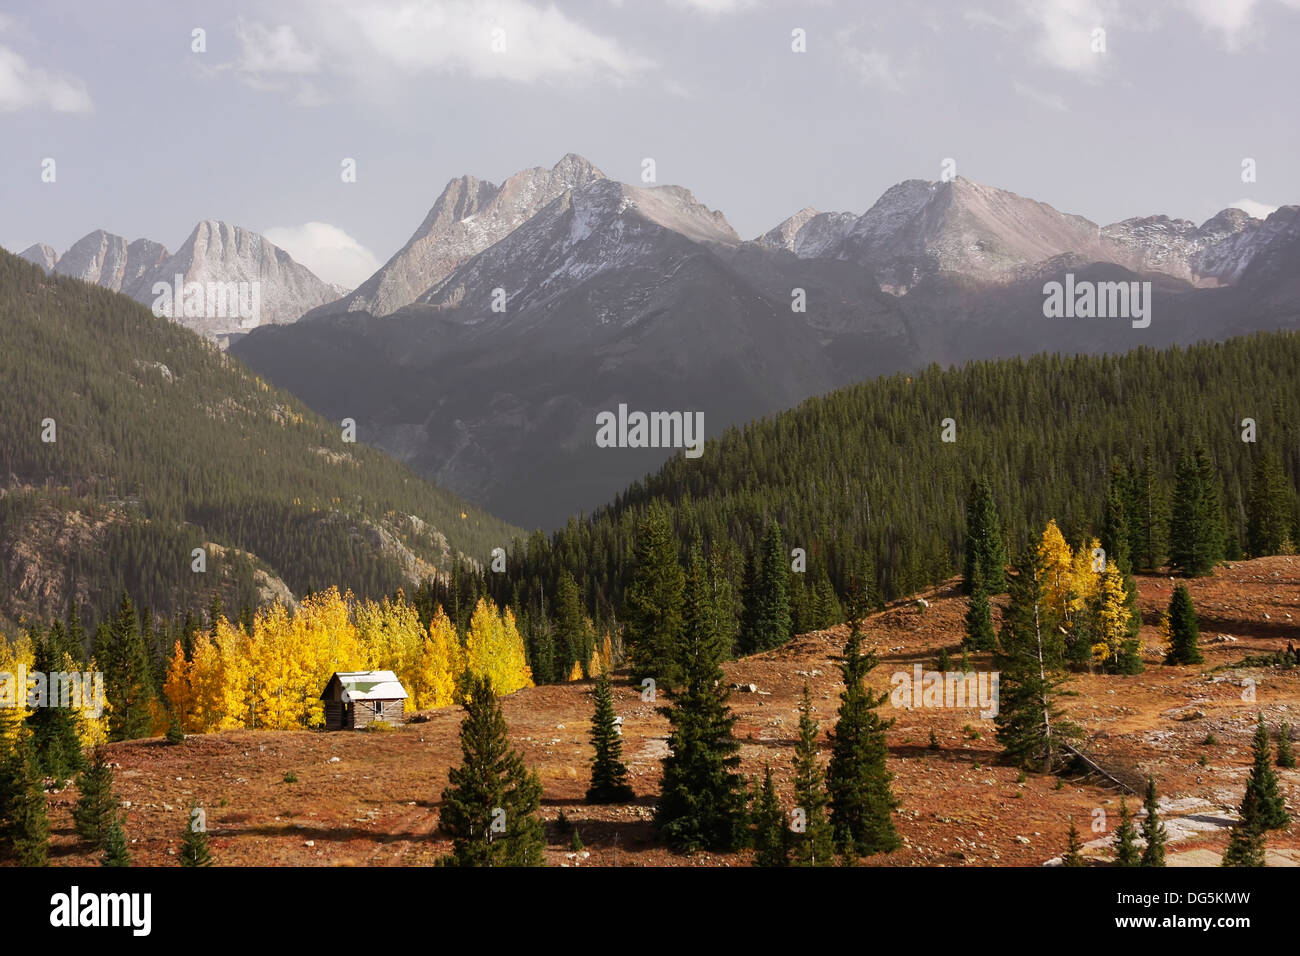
(769, 825)
(1245, 845)
(572, 636)
(194, 846)
(985, 553)
(701, 801)
(1126, 851)
(96, 806)
(1269, 509)
(608, 774)
(128, 681)
(1074, 848)
(1148, 523)
(1030, 726)
(490, 805)
(979, 621)
(1285, 755)
(768, 604)
(653, 609)
(1153, 830)
(115, 848)
(1184, 632)
(1116, 536)
(54, 725)
(24, 826)
(857, 778)
(1196, 531)
(1262, 784)
(815, 845)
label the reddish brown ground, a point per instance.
(371, 798)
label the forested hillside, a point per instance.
(127, 441)
(866, 468)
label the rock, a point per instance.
(745, 688)
(1022, 839)
(922, 604)
(309, 843)
(334, 759)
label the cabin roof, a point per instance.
(368, 685)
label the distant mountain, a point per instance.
(110, 261)
(468, 217)
(128, 441)
(42, 255)
(490, 380)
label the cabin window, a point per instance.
(379, 709)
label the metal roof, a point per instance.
(370, 685)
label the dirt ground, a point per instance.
(371, 798)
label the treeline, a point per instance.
(128, 440)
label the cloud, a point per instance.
(327, 251)
(872, 67)
(714, 8)
(23, 86)
(1064, 32)
(494, 39)
(275, 50)
(1050, 100)
(1258, 210)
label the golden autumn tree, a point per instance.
(178, 687)
(391, 638)
(576, 672)
(440, 665)
(1112, 616)
(1056, 565)
(494, 649)
(16, 659)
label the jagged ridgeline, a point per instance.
(865, 467)
(163, 444)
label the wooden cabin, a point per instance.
(355, 699)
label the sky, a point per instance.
(160, 113)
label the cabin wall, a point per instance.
(363, 712)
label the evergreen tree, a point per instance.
(701, 803)
(608, 774)
(24, 827)
(1116, 536)
(654, 602)
(768, 605)
(857, 778)
(979, 621)
(1269, 509)
(115, 848)
(96, 806)
(815, 846)
(1184, 632)
(194, 846)
(1196, 532)
(1262, 785)
(1074, 848)
(128, 683)
(1030, 726)
(1126, 851)
(54, 725)
(1245, 845)
(490, 804)
(572, 636)
(1153, 830)
(985, 554)
(1285, 755)
(769, 825)
(1148, 521)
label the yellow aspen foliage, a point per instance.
(1084, 581)
(391, 638)
(494, 649)
(1055, 562)
(281, 669)
(178, 687)
(607, 654)
(1112, 615)
(92, 730)
(16, 660)
(595, 667)
(1165, 628)
(441, 662)
(576, 673)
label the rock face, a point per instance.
(42, 255)
(470, 216)
(110, 261)
(809, 233)
(217, 254)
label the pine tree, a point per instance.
(701, 803)
(1184, 633)
(1196, 532)
(815, 846)
(1030, 726)
(654, 602)
(1245, 845)
(1148, 522)
(54, 725)
(194, 846)
(1074, 848)
(490, 804)
(1126, 851)
(1153, 830)
(979, 621)
(24, 826)
(96, 806)
(571, 633)
(115, 848)
(857, 778)
(128, 681)
(1285, 755)
(985, 554)
(769, 825)
(768, 605)
(608, 774)
(1262, 784)
(1116, 536)
(1269, 509)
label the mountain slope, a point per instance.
(110, 261)
(162, 444)
(42, 255)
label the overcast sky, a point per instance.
(149, 137)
